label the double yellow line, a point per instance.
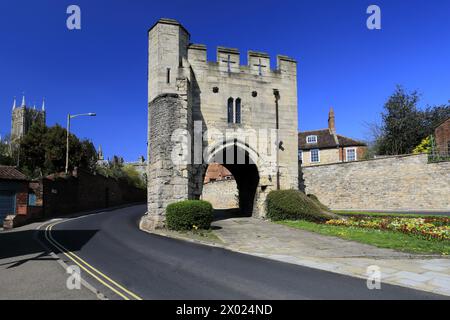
(96, 274)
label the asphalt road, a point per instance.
(138, 264)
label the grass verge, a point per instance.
(379, 238)
(199, 235)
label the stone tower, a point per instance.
(100, 154)
(201, 112)
(24, 117)
(169, 110)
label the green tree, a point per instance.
(399, 134)
(32, 151)
(113, 168)
(434, 116)
(134, 177)
(6, 152)
(404, 125)
(43, 151)
(116, 169)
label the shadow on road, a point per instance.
(23, 243)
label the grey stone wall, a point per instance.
(394, 183)
(256, 92)
(183, 88)
(167, 182)
(221, 194)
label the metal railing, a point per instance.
(438, 156)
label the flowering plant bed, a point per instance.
(432, 228)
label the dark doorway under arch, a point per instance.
(245, 172)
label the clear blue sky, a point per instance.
(103, 67)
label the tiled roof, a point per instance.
(326, 139)
(11, 173)
(349, 142)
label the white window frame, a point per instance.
(313, 137)
(311, 158)
(300, 155)
(346, 154)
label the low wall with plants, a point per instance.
(394, 183)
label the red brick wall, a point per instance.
(85, 192)
(360, 152)
(442, 136)
(22, 200)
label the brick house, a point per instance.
(326, 146)
(442, 137)
(217, 172)
(19, 198)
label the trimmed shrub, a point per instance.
(320, 204)
(189, 214)
(294, 205)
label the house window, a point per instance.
(238, 110)
(315, 155)
(350, 154)
(230, 110)
(300, 156)
(311, 139)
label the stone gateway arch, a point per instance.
(201, 112)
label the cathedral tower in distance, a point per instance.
(23, 117)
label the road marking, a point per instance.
(49, 247)
(84, 265)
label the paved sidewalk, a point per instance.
(28, 272)
(282, 243)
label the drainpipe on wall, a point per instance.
(276, 93)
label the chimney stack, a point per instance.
(331, 121)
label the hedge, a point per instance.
(189, 214)
(320, 204)
(294, 205)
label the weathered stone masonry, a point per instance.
(394, 183)
(184, 88)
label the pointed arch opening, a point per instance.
(235, 176)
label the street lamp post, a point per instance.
(69, 116)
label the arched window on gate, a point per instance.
(238, 110)
(230, 110)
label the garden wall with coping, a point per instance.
(398, 183)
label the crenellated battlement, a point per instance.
(191, 97)
(229, 60)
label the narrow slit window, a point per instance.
(168, 75)
(238, 110)
(230, 110)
